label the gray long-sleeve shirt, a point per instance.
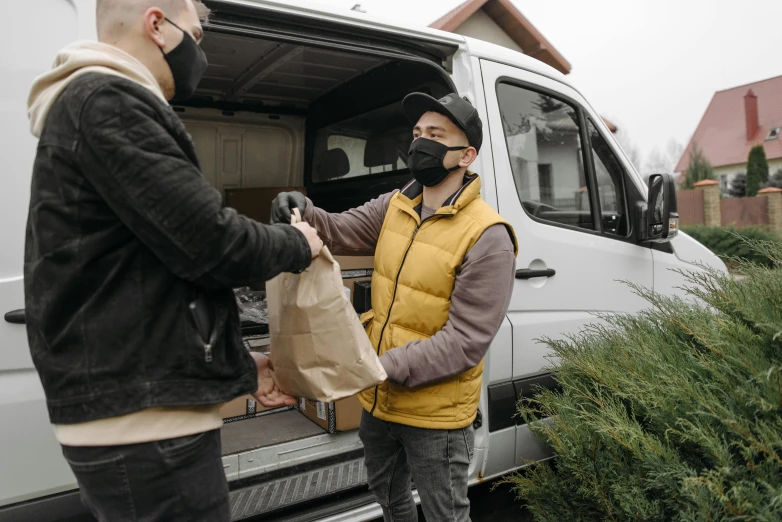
(479, 301)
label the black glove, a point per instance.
(283, 205)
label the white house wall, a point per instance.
(725, 174)
(481, 26)
(563, 157)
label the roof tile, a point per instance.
(721, 134)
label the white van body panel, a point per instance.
(32, 464)
(589, 268)
(689, 251)
(689, 255)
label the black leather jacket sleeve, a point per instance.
(156, 188)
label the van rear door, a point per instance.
(569, 194)
(333, 27)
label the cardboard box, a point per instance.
(257, 343)
(343, 415)
(255, 203)
(355, 268)
(246, 407)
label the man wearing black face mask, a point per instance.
(129, 264)
(444, 270)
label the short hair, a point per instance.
(202, 10)
(111, 14)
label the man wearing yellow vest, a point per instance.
(444, 268)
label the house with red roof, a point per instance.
(736, 120)
(501, 23)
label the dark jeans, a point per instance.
(172, 480)
(437, 460)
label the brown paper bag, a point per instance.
(319, 349)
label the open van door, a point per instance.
(570, 195)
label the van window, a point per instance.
(373, 143)
(356, 151)
(610, 177)
(543, 135)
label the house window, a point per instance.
(773, 134)
(545, 182)
(543, 136)
(723, 182)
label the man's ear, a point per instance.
(468, 157)
(153, 18)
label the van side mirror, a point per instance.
(659, 220)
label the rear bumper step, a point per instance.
(294, 490)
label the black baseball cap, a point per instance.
(458, 109)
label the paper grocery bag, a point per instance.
(319, 349)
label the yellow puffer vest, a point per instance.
(415, 269)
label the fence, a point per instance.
(580, 201)
(704, 206)
(690, 207)
(744, 212)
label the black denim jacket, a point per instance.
(123, 234)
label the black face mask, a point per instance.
(425, 160)
(188, 64)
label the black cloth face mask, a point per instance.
(188, 65)
(425, 161)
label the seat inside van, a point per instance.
(268, 114)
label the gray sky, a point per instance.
(650, 66)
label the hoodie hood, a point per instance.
(82, 58)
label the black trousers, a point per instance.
(437, 460)
(172, 480)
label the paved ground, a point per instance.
(498, 505)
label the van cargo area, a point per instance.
(273, 114)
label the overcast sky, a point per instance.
(650, 66)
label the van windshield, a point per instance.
(374, 143)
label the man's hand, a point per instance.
(283, 205)
(312, 238)
(268, 394)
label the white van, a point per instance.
(288, 82)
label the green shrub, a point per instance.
(757, 170)
(674, 414)
(775, 180)
(699, 168)
(738, 185)
(731, 243)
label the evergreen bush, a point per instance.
(775, 180)
(699, 168)
(730, 243)
(757, 170)
(738, 186)
(674, 414)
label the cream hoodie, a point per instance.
(151, 424)
(81, 58)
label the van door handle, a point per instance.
(526, 273)
(15, 317)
